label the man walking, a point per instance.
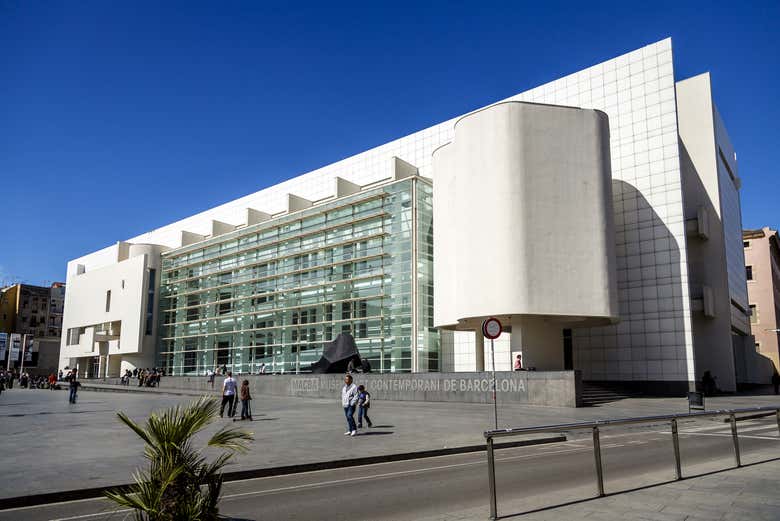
(228, 395)
(349, 399)
(74, 386)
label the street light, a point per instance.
(773, 330)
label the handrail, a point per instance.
(594, 426)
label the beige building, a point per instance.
(34, 311)
(762, 267)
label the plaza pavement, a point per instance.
(71, 447)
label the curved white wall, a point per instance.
(523, 224)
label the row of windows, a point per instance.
(284, 301)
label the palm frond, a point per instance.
(231, 438)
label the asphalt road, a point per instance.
(451, 487)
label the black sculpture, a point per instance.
(337, 355)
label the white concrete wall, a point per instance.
(85, 306)
(523, 213)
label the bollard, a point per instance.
(492, 480)
(736, 439)
(778, 421)
(676, 442)
(597, 456)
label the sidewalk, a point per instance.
(747, 493)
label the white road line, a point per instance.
(391, 474)
(726, 435)
(85, 516)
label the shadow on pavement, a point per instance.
(636, 489)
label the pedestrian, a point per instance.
(776, 381)
(210, 375)
(228, 395)
(519, 362)
(708, 384)
(246, 410)
(52, 381)
(364, 402)
(74, 386)
(349, 399)
(59, 375)
(2, 381)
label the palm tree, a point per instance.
(180, 483)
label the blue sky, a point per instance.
(119, 117)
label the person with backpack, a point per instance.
(364, 402)
(246, 410)
(74, 386)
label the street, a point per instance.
(455, 487)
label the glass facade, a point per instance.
(274, 293)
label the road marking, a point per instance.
(729, 435)
(85, 516)
(391, 474)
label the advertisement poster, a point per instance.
(28, 350)
(3, 345)
(16, 346)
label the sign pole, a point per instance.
(24, 348)
(491, 328)
(495, 401)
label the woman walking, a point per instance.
(246, 410)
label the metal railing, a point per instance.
(594, 426)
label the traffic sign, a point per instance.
(491, 328)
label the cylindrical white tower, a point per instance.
(523, 225)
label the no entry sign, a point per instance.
(491, 328)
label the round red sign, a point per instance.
(491, 328)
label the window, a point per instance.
(746, 244)
(149, 301)
(749, 272)
(108, 301)
(753, 314)
(73, 335)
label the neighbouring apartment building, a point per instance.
(598, 216)
(35, 311)
(762, 268)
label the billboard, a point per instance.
(28, 350)
(16, 346)
(3, 345)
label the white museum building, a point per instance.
(597, 216)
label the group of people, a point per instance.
(229, 392)
(27, 381)
(146, 377)
(355, 397)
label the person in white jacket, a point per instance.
(349, 400)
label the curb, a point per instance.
(175, 392)
(239, 475)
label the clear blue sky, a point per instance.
(119, 117)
